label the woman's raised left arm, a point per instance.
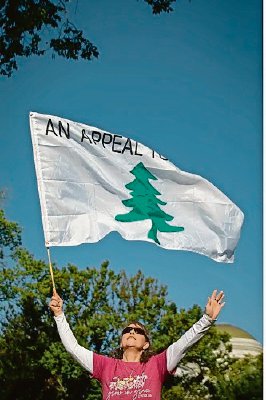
(177, 350)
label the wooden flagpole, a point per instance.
(51, 267)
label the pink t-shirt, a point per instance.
(130, 380)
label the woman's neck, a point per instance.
(132, 355)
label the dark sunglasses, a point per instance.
(137, 330)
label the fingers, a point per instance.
(217, 297)
(220, 296)
(56, 303)
(213, 296)
(55, 293)
(215, 304)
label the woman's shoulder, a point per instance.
(159, 357)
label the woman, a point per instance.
(134, 373)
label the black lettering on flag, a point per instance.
(136, 150)
(61, 128)
(50, 129)
(84, 136)
(96, 136)
(128, 146)
(107, 139)
(116, 143)
(161, 157)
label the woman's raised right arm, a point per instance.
(82, 355)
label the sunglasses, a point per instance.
(137, 330)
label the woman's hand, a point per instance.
(56, 304)
(215, 304)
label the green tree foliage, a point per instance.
(10, 235)
(31, 27)
(97, 302)
(243, 380)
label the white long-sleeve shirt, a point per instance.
(174, 353)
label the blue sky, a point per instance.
(187, 84)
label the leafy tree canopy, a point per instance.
(23, 23)
(10, 235)
(243, 380)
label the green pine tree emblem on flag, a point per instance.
(145, 204)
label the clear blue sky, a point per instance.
(187, 84)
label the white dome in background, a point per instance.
(242, 342)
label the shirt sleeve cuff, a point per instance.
(209, 319)
(59, 318)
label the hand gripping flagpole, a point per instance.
(51, 267)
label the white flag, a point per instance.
(92, 182)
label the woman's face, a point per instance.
(132, 338)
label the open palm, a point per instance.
(215, 304)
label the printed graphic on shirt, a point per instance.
(131, 386)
